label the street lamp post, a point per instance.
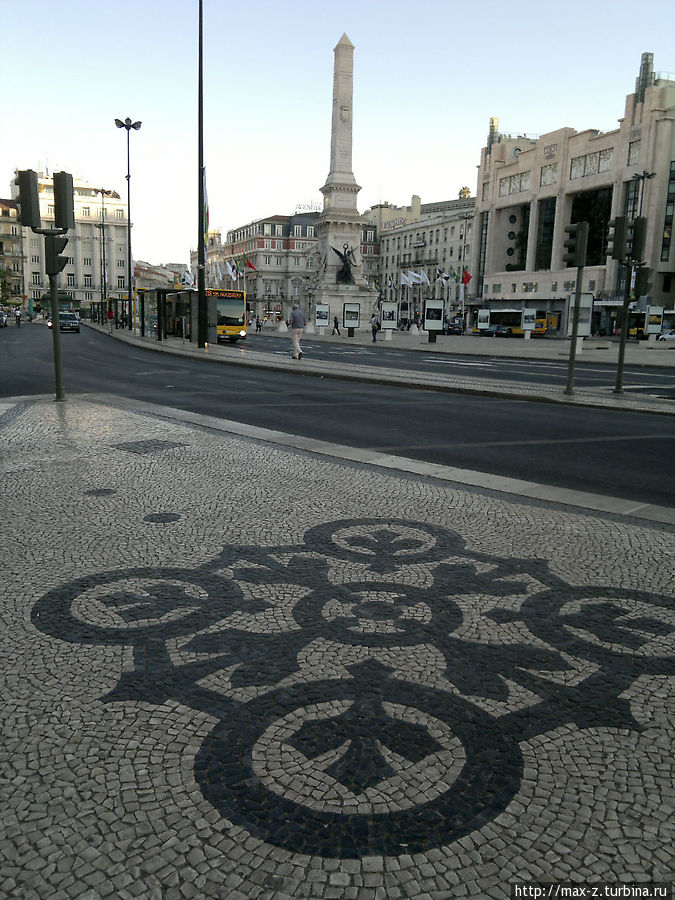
(104, 292)
(642, 177)
(128, 124)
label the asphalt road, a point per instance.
(647, 380)
(617, 453)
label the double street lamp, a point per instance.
(128, 124)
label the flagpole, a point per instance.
(202, 329)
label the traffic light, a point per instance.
(636, 239)
(616, 239)
(28, 200)
(64, 213)
(643, 281)
(576, 244)
(54, 263)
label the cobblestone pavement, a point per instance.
(231, 670)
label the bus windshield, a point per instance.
(230, 311)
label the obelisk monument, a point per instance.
(339, 225)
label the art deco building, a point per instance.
(530, 188)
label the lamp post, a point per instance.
(104, 292)
(642, 177)
(128, 124)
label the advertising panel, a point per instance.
(321, 315)
(389, 317)
(433, 315)
(483, 319)
(351, 315)
(529, 320)
(585, 315)
(654, 319)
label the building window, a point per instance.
(35, 259)
(554, 287)
(71, 280)
(278, 260)
(370, 235)
(296, 261)
(86, 261)
(121, 281)
(268, 260)
(88, 295)
(35, 278)
(87, 281)
(514, 287)
(633, 153)
(121, 263)
(278, 230)
(119, 213)
(50, 209)
(13, 229)
(86, 212)
(668, 216)
(267, 228)
(297, 231)
(496, 288)
(268, 245)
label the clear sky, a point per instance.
(428, 74)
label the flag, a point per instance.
(442, 277)
(249, 264)
(404, 280)
(413, 277)
(453, 274)
(228, 269)
(219, 271)
(235, 269)
(425, 278)
(466, 278)
(205, 211)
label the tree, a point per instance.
(5, 284)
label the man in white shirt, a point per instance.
(297, 323)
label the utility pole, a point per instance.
(633, 253)
(576, 245)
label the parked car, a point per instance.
(453, 329)
(667, 336)
(490, 331)
(502, 331)
(67, 322)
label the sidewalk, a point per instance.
(249, 353)
(233, 668)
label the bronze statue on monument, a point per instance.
(344, 274)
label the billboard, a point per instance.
(389, 315)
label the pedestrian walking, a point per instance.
(297, 323)
(110, 316)
(17, 313)
(258, 324)
(336, 326)
(374, 326)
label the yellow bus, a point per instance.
(230, 314)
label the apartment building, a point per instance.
(11, 256)
(96, 251)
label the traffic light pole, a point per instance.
(575, 331)
(50, 235)
(618, 388)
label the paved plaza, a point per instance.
(233, 669)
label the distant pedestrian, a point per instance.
(17, 313)
(336, 326)
(374, 326)
(297, 323)
(110, 317)
(258, 324)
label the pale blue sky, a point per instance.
(428, 74)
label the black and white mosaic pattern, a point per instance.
(233, 671)
(363, 707)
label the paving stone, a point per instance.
(270, 686)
